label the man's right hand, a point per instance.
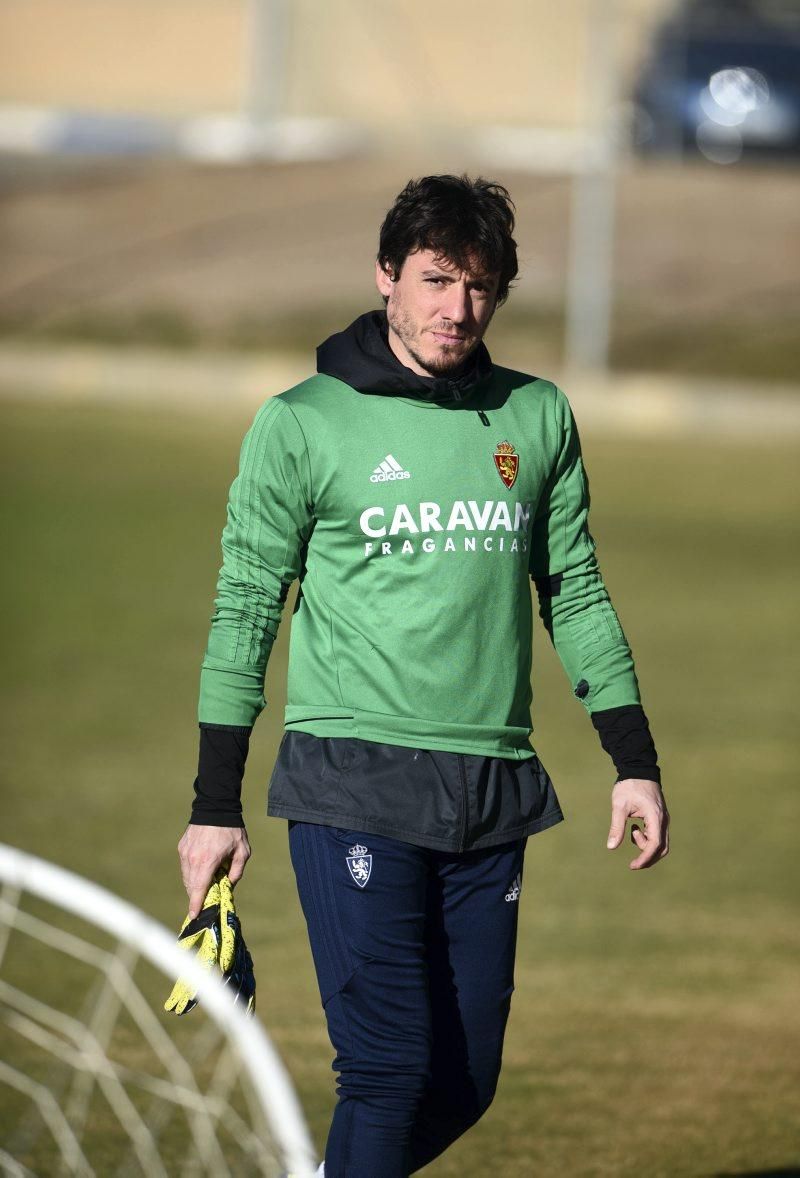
(203, 850)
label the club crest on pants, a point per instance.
(359, 864)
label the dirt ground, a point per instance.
(219, 244)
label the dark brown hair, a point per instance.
(460, 219)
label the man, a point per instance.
(413, 487)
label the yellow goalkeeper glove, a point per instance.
(216, 937)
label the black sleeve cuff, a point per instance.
(625, 736)
(218, 785)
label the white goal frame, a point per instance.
(22, 873)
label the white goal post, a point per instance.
(249, 1056)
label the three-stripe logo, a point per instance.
(388, 470)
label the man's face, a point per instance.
(437, 313)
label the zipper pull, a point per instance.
(482, 416)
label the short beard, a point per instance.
(442, 365)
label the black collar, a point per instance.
(361, 357)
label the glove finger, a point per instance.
(190, 942)
(230, 934)
(243, 992)
(182, 999)
(228, 923)
(225, 892)
(200, 936)
(208, 950)
(241, 957)
(241, 977)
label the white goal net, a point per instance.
(94, 1077)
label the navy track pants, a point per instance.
(414, 953)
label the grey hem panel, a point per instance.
(368, 826)
(428, 797)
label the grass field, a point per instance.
(654, 1027)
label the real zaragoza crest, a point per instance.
(359, 864)
(507, 463)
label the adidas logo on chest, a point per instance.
(388, 471)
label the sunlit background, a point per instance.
(190, 193)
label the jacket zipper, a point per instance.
(462, 777)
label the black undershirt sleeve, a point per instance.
(625, 736)
(220, 769)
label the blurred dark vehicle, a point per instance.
(723, 80)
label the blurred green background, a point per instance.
(153, 293)
(656, 1014)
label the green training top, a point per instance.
(414, 528)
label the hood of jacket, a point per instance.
(361, 357)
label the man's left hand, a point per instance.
(634, 798)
